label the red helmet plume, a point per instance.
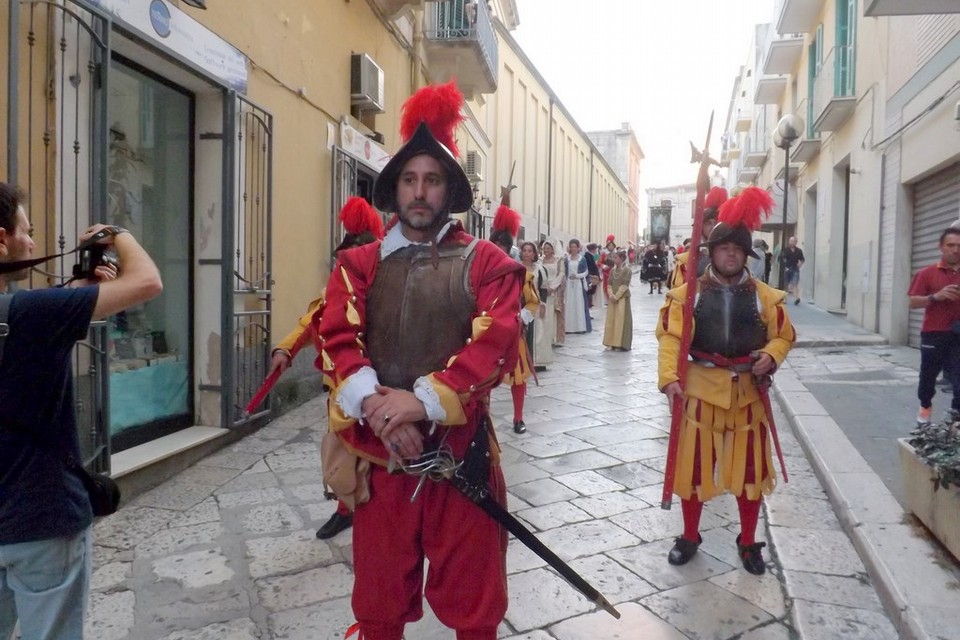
(437, 105)
(506, 219)
(611, 238)
(748, 209)
(357, 216)
(715, 197)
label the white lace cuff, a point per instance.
(431, 401)
(526, 316)
(355, 389)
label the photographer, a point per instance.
(45, 513)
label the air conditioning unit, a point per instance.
(366, 83)
(473, 166)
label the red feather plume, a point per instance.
(437, 105)
(610, 238)
(749, 209)
(506, 219)
(715, 197)
(357, 216)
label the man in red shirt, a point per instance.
(936, 289)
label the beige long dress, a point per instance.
(545, 328)
(618, 328)
(553, 326)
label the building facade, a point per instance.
(874, 172)
(622, 150)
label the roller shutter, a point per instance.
(936, 204)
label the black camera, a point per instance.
(90, 258)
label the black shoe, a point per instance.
(335, 525)
(519, 427)
(751, 557)
(797, 301)
(683, 550)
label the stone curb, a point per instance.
(827, 447)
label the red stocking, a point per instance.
(519, 392)
(691, 519)
(749, 515)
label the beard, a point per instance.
(421, 221)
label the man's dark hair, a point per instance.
(951, 230)
(10, 199)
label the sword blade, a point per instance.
(524, 535)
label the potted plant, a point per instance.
(930, 463)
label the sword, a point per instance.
(440, 465)
(493, 509)
(763, 386)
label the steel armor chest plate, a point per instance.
(728, 319)
(418, 315)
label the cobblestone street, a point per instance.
(226, 549)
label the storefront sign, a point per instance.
(176, 31)
(363, 148)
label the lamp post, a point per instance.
(788, 130)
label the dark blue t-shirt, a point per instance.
(39, 497)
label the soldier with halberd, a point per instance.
(417, 331)
(741, 334)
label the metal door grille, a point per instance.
(55, 91)
(251, 283)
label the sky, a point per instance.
(660, 65)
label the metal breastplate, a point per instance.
(728, 319)
(418, 315)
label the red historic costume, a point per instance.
(440, 320)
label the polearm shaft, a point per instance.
(272, 378)
(676, 411)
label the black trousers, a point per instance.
(939, 350)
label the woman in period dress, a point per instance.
(556, 288)
(541, 344)
(574, 305)
(618, 327)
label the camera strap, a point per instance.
(10, 267)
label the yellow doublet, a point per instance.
(724, 408)
(531, 302)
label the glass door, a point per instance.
(150, 175)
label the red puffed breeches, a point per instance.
(466, 584)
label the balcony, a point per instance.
(834, 97)
(783, 56)
(805, 150)
(798, 16)
(744, 120)
(755, 150)
(747, 175)
(392, 7)
(460, 43)
(877, 8)
(770, 89)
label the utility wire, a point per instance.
(915, 119)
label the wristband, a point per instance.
(931, 298)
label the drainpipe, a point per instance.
(590, 203)
(883, 206)
(13, 80)
(550, 166)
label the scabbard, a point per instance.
(765, 396)
(493, 509)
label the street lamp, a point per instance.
(788, 130)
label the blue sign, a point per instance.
(160, 18)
